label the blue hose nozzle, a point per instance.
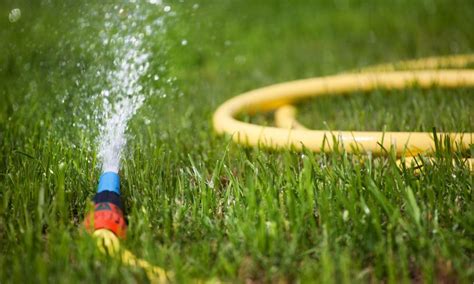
(109, 181)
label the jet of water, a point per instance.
(124, 95)
(126, 90)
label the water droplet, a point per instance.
(366, 210)
(345, 215)
(14, 15)
(148, 30)
(210, 183)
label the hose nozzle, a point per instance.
(108, 209)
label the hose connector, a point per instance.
(108, 209)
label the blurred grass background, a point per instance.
(202, 206)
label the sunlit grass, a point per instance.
(206, 208)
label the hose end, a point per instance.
(108, 211)
(109, 181)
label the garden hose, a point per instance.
(289, 133)
(109, 243)
(107, 223)
(285, 117)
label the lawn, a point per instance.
(198, 204)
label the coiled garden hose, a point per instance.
(289, 133)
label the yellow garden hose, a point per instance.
(435, 62)
(109, 243)
(292, 134)
(285, 117)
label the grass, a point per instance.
(204, 207)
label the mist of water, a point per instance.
(125, 33)
(126, 91)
